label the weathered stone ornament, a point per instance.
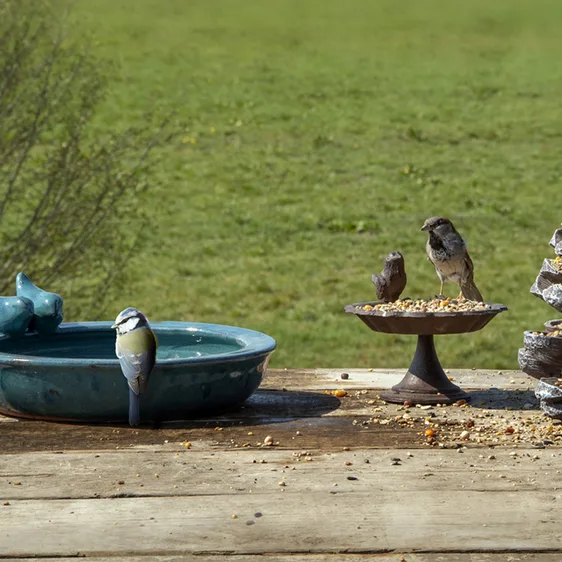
(550, 396)
(556, 242)
(541, 354)
(548, 284)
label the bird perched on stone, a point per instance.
(135, 347)
(447, 251)
(47, 306)
(391, 281)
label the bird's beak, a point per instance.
(425, 227)
(114, 327)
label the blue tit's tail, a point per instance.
(134, 409)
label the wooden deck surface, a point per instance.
(347, 478)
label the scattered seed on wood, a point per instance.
(344, 376)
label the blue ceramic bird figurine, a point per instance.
(135, 347)
(48, 306)
(16, 314)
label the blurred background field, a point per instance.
(317, 136)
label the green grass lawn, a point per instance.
(320, 134)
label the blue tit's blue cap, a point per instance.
(129, 312)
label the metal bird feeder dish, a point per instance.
(73, 374)
(425, 382)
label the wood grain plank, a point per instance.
(357, 522)
(383, 379)
(408, 557)
(438, 501)
(192, 473)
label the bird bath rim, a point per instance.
(251, 343)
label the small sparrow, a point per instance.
(392, 279)
(446, 250)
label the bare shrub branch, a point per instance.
(69, 199)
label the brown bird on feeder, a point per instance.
(392, 279)
(447, 251)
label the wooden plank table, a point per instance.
(346, 478)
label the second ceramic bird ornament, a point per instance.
(16, 315)
(47, 306)
(391, 281)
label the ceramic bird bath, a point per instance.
(425, 382)
(74, 375)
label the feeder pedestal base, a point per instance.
(425, 382)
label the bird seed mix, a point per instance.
(553, 334)
(432, 305)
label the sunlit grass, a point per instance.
(320, 134)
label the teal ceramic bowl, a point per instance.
(73, 375)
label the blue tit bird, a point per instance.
(47, 306)
(16, 315)
(135, 347)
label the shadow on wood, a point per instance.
(503, 399)
(267, 407)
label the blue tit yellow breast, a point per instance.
(138, 341)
